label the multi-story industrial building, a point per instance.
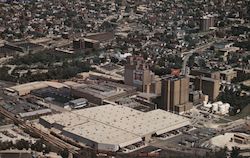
(208, 86)
(207, 22)
(85, 44)
(138, 74)
(78, 44)
(228, 75)
(205, 73)
(175, 93)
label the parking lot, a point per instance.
(186, 140)
(175, 133)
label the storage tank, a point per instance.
(215, 107)
(224, 108)
(208, 105)
(219, 103)
(206, 98)
(227, 107)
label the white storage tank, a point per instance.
(227, 107)
(215, 107)
(224, 108)
(219, 103)
(208, 105)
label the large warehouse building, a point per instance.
(97, 93)
(113, 127)
(24, 89)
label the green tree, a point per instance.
(37, 146)
(221, 153)
(64, 153)
(22, 144)
(235, 153)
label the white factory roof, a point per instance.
(71, 83)
(103, 133)
(65, 119)
(135, 121)
(27, 87)
(31, 85)
(34, 113)
(228, 71)
(116, 124)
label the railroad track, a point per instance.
(51, 139)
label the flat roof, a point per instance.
(228, 71)
(203, 70)
(37, 112)
(92, 73)
(116, 124)
(80, 100)
(102, 133)
(230, 49)
(103, 89)
(36, 85)
(65, 119)
(246, 83)
(202, 78)
(90, 40)
(173, 77)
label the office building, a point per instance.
(175, 93)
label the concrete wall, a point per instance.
(128, 75)
(174, 94)
(103, 36)
(90, 143)
(165, 95)
(107, 147)
(209, 87)
(228, 76)
(80, 139)
(213, 75)
(184, 92)
(89, 97)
